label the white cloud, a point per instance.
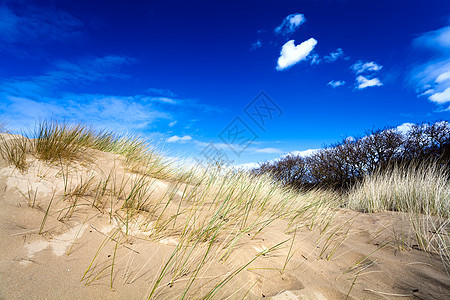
(438, 39)
(334, 55)
(304, 153)
(290, 24)
(364, 67)
(432, 78)
(363, 82)
(335, 84)
(291, 54)
(171, 124)
(177, 139)
(405, 127)
(441, 97)
(443, 77)
(268, 150)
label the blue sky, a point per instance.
(246, 80)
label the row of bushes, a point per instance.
(340, 165)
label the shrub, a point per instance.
(345, 163)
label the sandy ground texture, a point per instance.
(83, 250)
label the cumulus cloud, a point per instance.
(291, 54)
(334, 55)
(364, 67)
(290, 24)
(363, 82)
(335, 84)
(432, 78)
(178, 139)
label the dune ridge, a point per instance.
(107, 218)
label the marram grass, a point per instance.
(420, 191)
(209, 210)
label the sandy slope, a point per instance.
(34, 266)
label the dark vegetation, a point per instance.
(341, 165)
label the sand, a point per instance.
(370, 256)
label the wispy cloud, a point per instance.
(432, 78)
(30, 24)
(103, 111)
(362, 82)
(437, 39)
(164, 100)
(79, 71)
(364, 67)
(58, 93)
(291, 54)
(334, 55)
(161, 92)
(268, 150)
(290, 24)
(335, 84)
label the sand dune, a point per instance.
(61, 239)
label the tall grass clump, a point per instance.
(418, 188)
(14, 149)
(54, 141)
(421, 191)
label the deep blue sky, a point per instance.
(180, 72)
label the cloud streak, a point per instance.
(66, 74)
(432, 78)
(24, 25)
(104, 111)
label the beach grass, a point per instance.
(208, 211)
